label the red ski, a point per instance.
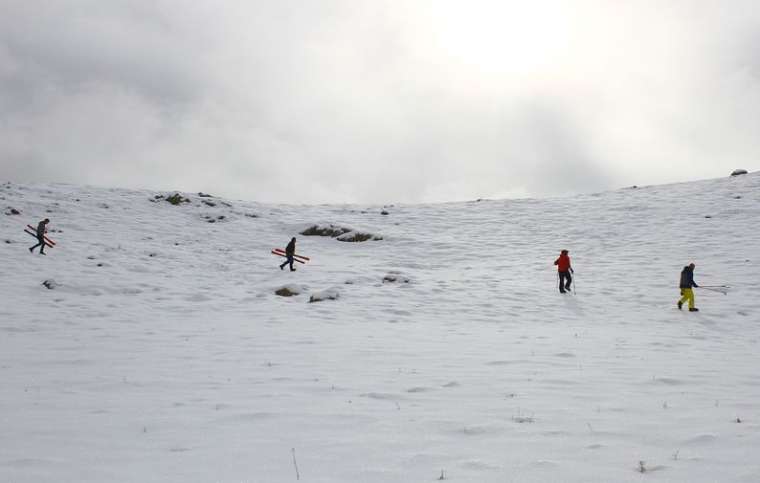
(34, 234)
(48, 242)
(280, 251)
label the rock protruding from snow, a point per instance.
(395, 277)
(329, 294)
(12, 211)
(289, 290)
(340, 233)
(738, 172)
(325, 230)
(50, 284)
(357, 236)
(213, 219)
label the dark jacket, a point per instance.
(687, 278)
(291, 248)
(41, 229)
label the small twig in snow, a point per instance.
(295, 464)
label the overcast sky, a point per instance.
(378, 101)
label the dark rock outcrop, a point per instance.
(329, 230)
(395, 277)
(288, 291)
(50, 284)
(357, 236)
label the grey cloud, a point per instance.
(339, 101)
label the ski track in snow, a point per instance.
(164, 354)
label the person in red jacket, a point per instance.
(564, 270)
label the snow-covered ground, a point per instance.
(164, 354)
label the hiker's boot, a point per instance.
(693, 309)
(680, 305)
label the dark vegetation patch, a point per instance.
(177, 199)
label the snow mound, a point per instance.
(329, 294)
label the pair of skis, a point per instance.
(281, 253)
(32, 231)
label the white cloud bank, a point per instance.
(373, 101)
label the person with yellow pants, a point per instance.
(687, 282)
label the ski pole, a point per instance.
(575, 289)
(715, 289)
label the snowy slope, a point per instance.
(164, 354)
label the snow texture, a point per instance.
(164, 354)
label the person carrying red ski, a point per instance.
(686, 284)
(564, 270)
(290, 252)
(41, 230)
